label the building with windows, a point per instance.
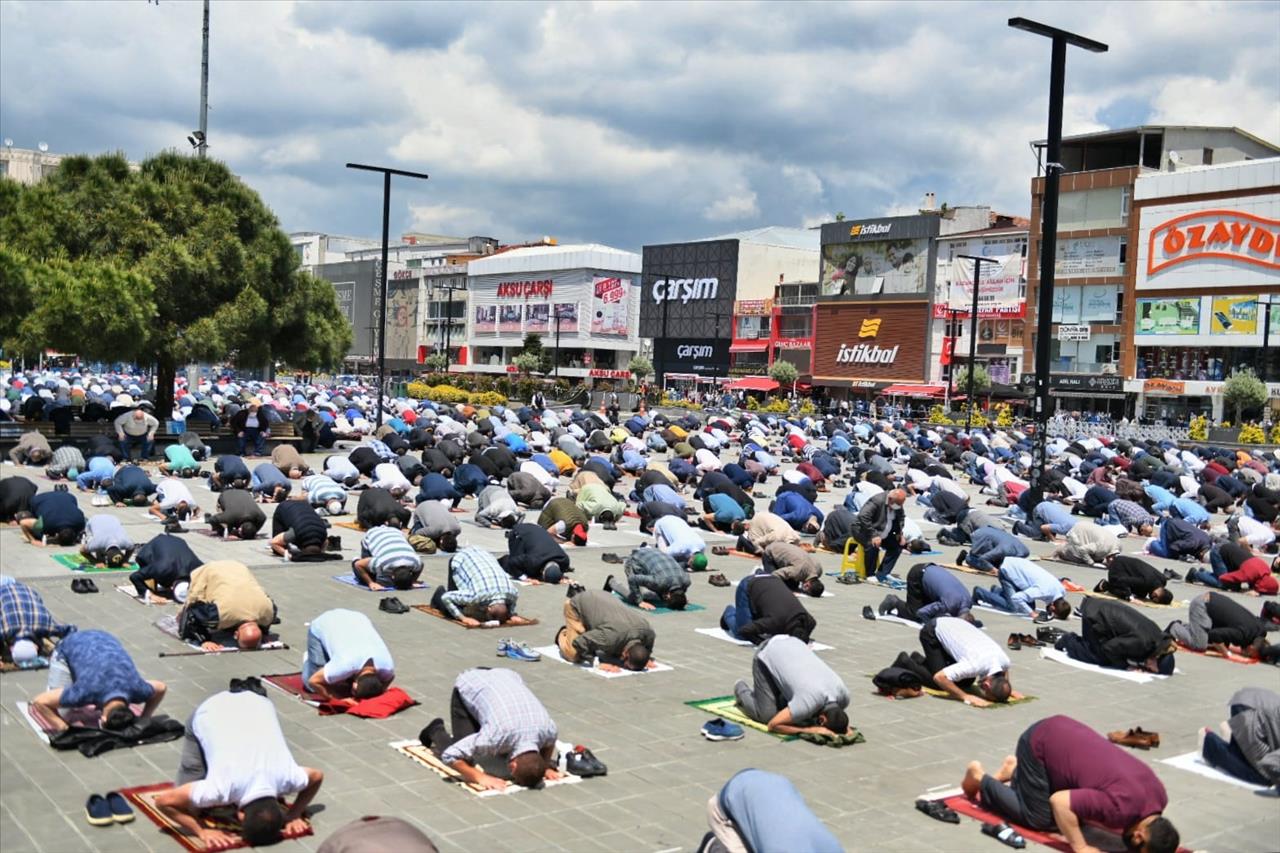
(26, 165)
(583, 300)
(1096, 237)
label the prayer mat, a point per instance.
(721, 634)
(942, 694)
(77, 563)
(1072, 586)
(1099, 566)
(967, 807)
(221, 537)
(552, 652)
(733, 552)
(1127, 675)
(1232, 655)
(727, 707)
(88, 717)
(431, 611)
(349, 580)
(659, 610)
(956, 567)
(849, 738)
(898, 620)
(169, 625)
(291, 683)
(224, 819)
(419, 754)
(187, 525)
(127, 589)
(1140, 602)
(1193, 762)
(350, 525)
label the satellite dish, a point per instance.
(8, 143)
(1175, 158)
(43, 146)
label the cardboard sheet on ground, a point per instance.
(552, 652)
(169, 625)
(1140, 602)
(1127, 675)
(969, 570)
(898, 620)
(78, 564)
(349, 580)
(143, 799)
(984, 609)
(727, 707)
(189, 524)
(659, 610)
(1194, 763)
(350, 525)
(721, 634)
(431, 611)
(419, 754)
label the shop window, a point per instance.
(1124, 251)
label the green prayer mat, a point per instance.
(77, 563)
(942, 694)
(658, 609)
(727, 707)
(847, 739)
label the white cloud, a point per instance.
(737, 206)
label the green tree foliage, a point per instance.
(527, 362)
(640, 367)
(783, 372)
(434, 363)
(1243, 390)
(981, 379)
(177, 261)
(532, 346)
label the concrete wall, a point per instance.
(759, 267)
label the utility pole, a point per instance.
(973, 330)
(382, 278)
(203, 148)
(448, 320)
(1049, 228)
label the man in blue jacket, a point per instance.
(932, 591)
(793, 508)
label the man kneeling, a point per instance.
(92, 668)
(346, 660)
(794, 691)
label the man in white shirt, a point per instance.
(959, 657)
(173, 499)
(346, 659)
(675, 538)
(388, 475)
(1251, 533)
(234, 753)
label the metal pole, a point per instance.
(202, 149)
(973, 331)
(448, 326)
(557, 369)
(1049, 229)
(1266, 341)
(382, 285)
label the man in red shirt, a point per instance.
(1234, 566)
(1064, 775)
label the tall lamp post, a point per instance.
(973, 330)
(1049, 227)
(951, 336)
(386, 173)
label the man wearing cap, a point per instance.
(1117, 636)
(324, 494)
(674, 537)
(598, 625)
(32, 449)
(136, 428)
(91, 668)
(165, 565)
(25, 622)
(532, 553)
(243, 609)
(106, 543)
(386, 560)
(564, 520)
(477, 590)
(652, 580)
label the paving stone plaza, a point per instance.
(661, 771)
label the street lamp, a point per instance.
(973, 329)
(1049, 227)
(386, 217)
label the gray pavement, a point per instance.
(661, 771)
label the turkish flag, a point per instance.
(948, 347)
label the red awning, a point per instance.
(749, 346)
(915, 391)
(754, 383)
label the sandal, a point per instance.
(1005, 834)
(720, 550)
(610, 557)
(938, 810)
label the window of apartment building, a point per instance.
(1124, 205)
(4, 168)
(752, 327)
(414, 263)
(794, 326)
(1097, 208)
(797, 294)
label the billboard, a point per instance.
(878, 341)
(567, 316)
(609, 307)
(509, 318)
(1168, 316)
(1001, 287)
(1234, 315)
(486, 319)
(537, 317)
(703, 356)
(353, 288)
(877, 256)
(1227, 242)
(1088, 256)
(682, 284)
(402, 320)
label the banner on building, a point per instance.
(486, 318)
(1086, 256)
(509, 318)
(1234, 315)
(609, 308)
(888, 266)
(537, 317)
(1168, 316)
(1098, 303)
(567, 316)
(1000, 285)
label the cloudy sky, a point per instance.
(620, 122)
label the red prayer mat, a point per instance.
(1234, 654)
(143, 799)
(965, 806)
(393, 701)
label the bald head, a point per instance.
(248, 636)
(898, 497)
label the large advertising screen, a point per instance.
(886, 266)
(1169, 316)
(1234, 315)
(875, 341)
(609, 307)
(402, 320)
(683, 284)
(1227, 242)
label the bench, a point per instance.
(79, 431)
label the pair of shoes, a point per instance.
(391, 604)
(1017, 641)
(582, 762)
(517, 650)
(1005, 834)
(333, 543)
(938, 810)
(609, 525)
(1170, 575)
(848, 578)
(718, 580)
(83, 585)
(574, 589)
(250, 684)
(610, 557)
(868, 613)
(721, 729)
(108, 810)
(1048, 635)
(962, 556)
(720, 550)
(173, 526)
(1136, 738)
(944, 539)
(61, 487)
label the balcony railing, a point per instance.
(792, 301)
(752, 334)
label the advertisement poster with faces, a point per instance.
(609, 307)
(884, 266)
(486, 318)
(1234, 315)
(509, 318)
(537, 318)
(567, 315)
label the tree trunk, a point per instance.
(165, 373)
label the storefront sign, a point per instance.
(1105, 383)
(1234, 315)
(866, 354)
(401, 275)
(524, 289)
(602, 373)
(794, 343)
(870, 229)
(1073, 333)
(1224, 234)
(685, 290)
(878, 342)
(1163, 386)
(1168, 317)
(703, 356)
(753, 307)
(1085, 256)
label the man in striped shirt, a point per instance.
(478, 590)
(652, 579)
(387, 559)
(65, 459)
(324, 494)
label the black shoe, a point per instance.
(333, 543)
(427, 735)
(867, 613)
(253, 685)
(610, 557)
(391, 604)
(962, 556)
(77, 584)
(606, 584)
(172, 526)
(236, 685)
(944, 539)
(581, 762)
(1191, 576)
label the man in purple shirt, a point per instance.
(1064, 775)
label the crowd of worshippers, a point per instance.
(681, 479)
